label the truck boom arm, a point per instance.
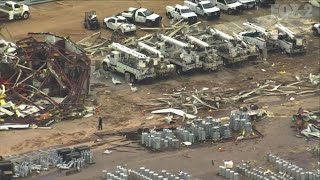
(257, 28)
(149, 48)
(173, 41)
(122, 48)
(221, 34)
(198, 41)
(285, 30)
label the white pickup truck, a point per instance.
(316, 29)
(121, 23)
(229, 6)
(143, 16)
(203, 8)
(248, 3)
(11, 10)
(181, 12)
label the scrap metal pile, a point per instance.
(307, 123)
(43, 81)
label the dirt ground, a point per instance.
(119, 109)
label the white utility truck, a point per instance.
(290, 42)
(142, 16)
(203, 8)
(134, 65)
(162, 66)
(316, 29)
(229, 6)
(11, 10)
(232, 50)
(284, 39)
(265, 2)
(179, 12)
(248, 3)
(119, 23)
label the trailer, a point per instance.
(12, 10)
(134, 65)
(232, 50)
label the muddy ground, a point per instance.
(119, 105)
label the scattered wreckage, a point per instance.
(187, 103)
(43, 81)
(307, 123)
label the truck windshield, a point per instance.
(147, 12)
(231, 1)
(185, 11)
(8, 5)
(207, 6)
(122, 20)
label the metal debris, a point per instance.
(46, 75)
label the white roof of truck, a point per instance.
(181, 6)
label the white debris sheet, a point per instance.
(311, 131)
(174, 111)
(8, 126)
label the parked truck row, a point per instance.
(126, 21)
(204, 49)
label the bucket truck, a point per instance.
(232, 50)
(162, 67)
(284, 40)
(178, 53)
(134, 65)
(208, 56)
(260, 37)
(289, 41)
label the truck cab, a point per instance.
(142, 16)
(230, 6)
(181, 12)
(248, 3)
(12, 10)
(203, 8)
(265, 2)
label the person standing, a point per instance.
(100, 123)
